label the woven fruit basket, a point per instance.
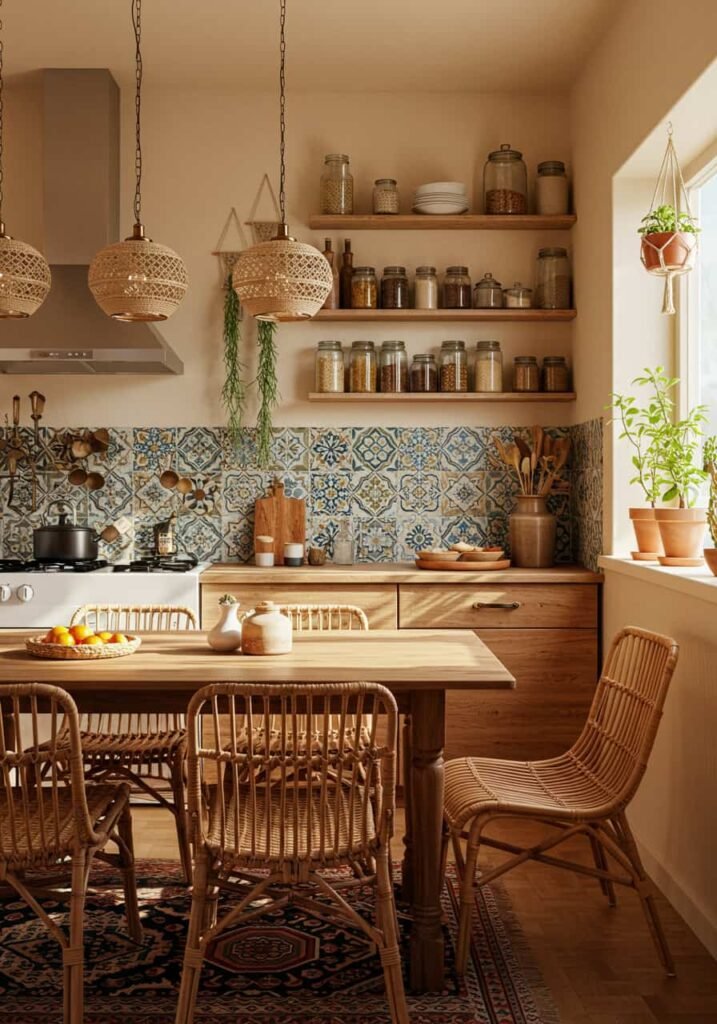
(81, 652)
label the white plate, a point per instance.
(454, 187)
(433, 208)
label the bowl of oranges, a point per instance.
(80, 643)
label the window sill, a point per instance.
(698, 583)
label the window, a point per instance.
(702, 299)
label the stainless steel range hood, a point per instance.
(80, 195)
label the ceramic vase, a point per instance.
(532, 533)
(226, 635)
(266, 630)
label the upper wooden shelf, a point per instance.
(428, 222)
(445, 315)
(444, 396)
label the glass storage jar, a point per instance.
(385, 196)
(394, 288)
(556, 376)
(364, 288)
(552, 285)
(526, 375)
(551, 188)
(393, 367)
(337, 185)
(456, 288)
(424, 373)
(518, 297)
(505, 181)
(362, 371)
(426, 288)
(489, 366)
(488, 293)
(329, 367)
(454, 366)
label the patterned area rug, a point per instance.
(291, 969)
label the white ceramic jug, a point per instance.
(226, 635)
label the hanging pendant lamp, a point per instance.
(24, 274)
(282, 279)
(138, 279)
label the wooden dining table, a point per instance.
(418, 666)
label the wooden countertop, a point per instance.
(232, 574)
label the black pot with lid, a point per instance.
(64, 541)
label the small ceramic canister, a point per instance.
(226, 635)
(293, 554)
(266, 630)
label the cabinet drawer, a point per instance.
(379, 601)
(504, 606)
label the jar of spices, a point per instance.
(526, 375)
(385, 196)
(555, 374)
(364, 288)
(488, 293)
(424, 373)
(454, 366)
(329, 367)
(337, 185)
(393, 367)
(552, 286)
(456, 288)
(489, 366)
(518, 297)
(394, 288)
(362, 371)
(426, 288)
(505, 181)
(551, 188)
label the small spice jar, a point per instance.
(454, 366)
(329, 367)
(362, 370)
(393, 367)
(551, 188)
(364, 288)
(556, 376)
(424, 373)
(505, 181)
(394, 288)
(457, 288)
(489, 367)
(337, 185)
(526, 375)
(488, 293)
(385, 196)
(426, 288)
(518, 297)
(552, 285)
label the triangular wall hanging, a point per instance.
(264, 230)
(228, 257)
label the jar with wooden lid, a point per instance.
(489, 367)
(394, 288)
(362, 370)
(551, 189)
(426, 288)
(329, 367)
(488, 293)
(385, 196)
(337, 185)
(364, 288)
(424, 373)
(518, 297)
(457, 288)
(556, 376)
(393, 367)
(505, 182)
(552, 286)
(454, 366)
(526, 374)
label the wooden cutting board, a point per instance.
(280, 517)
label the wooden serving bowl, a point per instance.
(482, 556)
(438, 556)
(81, 652)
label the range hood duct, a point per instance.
(80, 196)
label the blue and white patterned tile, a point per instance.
(463, 528)
(206, 498)
(296, 485)
(199, 450)
(241, 489)
(149, 497)
(154, 447)
(200, 536)
(417, 533)
(497, 531)
(144, 537)
(376, 540)
(239, 455)
(465, 448)
(419, 492)
(419, 448)
(330, 448)
(330, 494)
(374, 448)
(120, 455)
(322, 532)
(501, 488)
(237, 539)
(564, 540)
(463, 494)
(290, 449)
(17, 539)
(114, 499)
(374, 493)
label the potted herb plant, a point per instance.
(709, 455)
(668, 239)
(637, 431)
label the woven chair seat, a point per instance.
(132, 747)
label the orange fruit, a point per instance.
(58, 631)
(105, 637)
(118, 638)
(81, 631)
(65, 640)
(91, 640)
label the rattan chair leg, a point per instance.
(73, 954)
(193, 955)
(179, 792)
(601, 864)
(467, 898)
(390, 953)
(126, 859)
(445, 840)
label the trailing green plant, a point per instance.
(709, 455)
(637, 431)
(665, 220)
(234, 389)
(267, 382)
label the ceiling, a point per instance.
(375, 45)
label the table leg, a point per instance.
(428, 736)
(407, 772)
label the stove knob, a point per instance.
(5, 592)
(25, 592)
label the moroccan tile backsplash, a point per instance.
(401, 488)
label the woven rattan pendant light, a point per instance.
(282, 279)
(24, 274)
(138, 279)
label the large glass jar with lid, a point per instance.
(329, 367)
(385, 195)
(505, 181)
(551, 188)
(362, 370)
(394, 288)
(424, 373)
(454, 366)
(552, 284)
(457, 288)
(488, 293)
(526, 374)
(393, 367)
(337, 185)
(426, 288)
(364, 288)
(489, 367)
(518, 297)
(556, 376)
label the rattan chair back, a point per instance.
(322, 618)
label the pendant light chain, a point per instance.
(282, 111)
(137, 25)
(2, 68)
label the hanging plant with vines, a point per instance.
(268, 385)
(234, 389)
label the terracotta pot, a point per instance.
(647, 534)
(682, 531)
(532, 533)
(677, 247)
(266, 631)
(711, 559)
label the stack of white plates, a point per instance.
(441, 197)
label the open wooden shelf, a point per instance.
(440, 222)
(437, 396)
(445, 315)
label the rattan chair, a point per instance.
(51, 819)
(138, 746)
(584, 792)
(323, 618)
(278, 819)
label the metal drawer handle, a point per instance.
(508, 605)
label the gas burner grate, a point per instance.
(157, 565)
(15, 565)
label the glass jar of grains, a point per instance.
(394, 288)
(551, 188)
(489, 367)
(362, 371)
(329, 367)
(488, 293)
(337, 185)
(505, 181)
(555, 374)
(364, 288)
(526, 375)
(456, 288)
(552, 285)
(454, 366)
(393, 367)
(426, 288)
(424, 373)
(518, 297)
(385, 196)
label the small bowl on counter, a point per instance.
(438, 556)
(483, 555)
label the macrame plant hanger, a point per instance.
(670, 254)
(228, 257)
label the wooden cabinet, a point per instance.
(379, 601)
(503, 606)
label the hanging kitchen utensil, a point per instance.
(99, 440)
(80, 449)
(94, 482)
(77, 477)
(169, 479)
(110, 534)
(184, 486)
